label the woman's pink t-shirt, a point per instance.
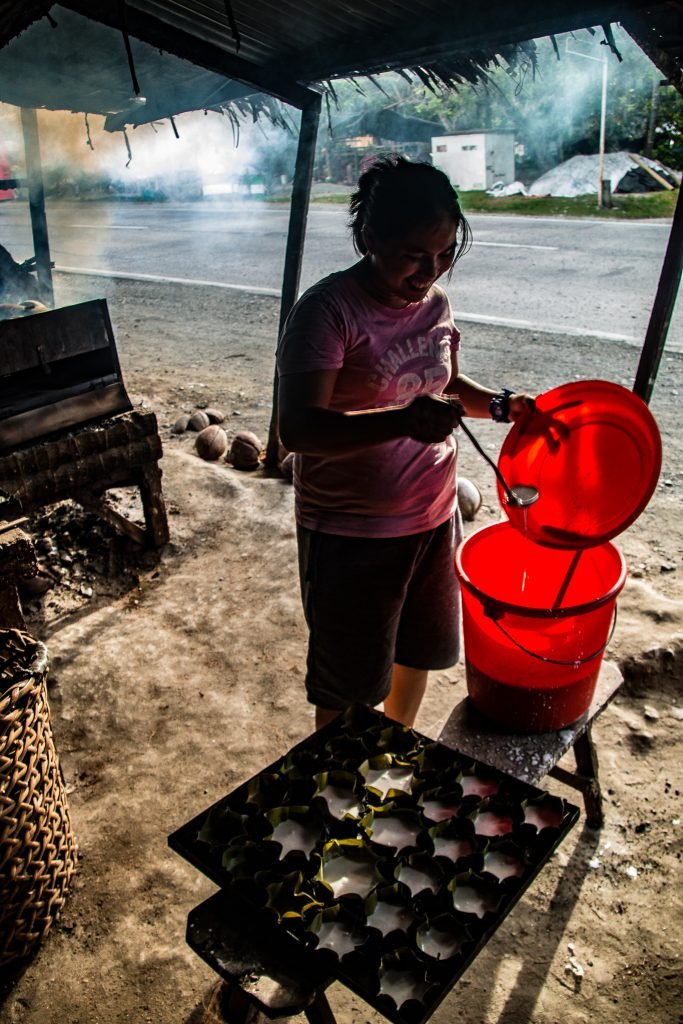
(384, 357)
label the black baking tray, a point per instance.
(442, 847)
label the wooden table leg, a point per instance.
(319, 1011)
(587, 765)
(156, 519)
(11, 613)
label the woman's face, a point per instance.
(403, 269)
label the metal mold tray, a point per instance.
(384, 858)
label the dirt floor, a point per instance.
(176, 677)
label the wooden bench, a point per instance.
(67, 426)
(83, 465)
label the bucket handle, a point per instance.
(555, 661)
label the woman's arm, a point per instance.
(476, 399)
(306, 423)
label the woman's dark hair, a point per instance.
(394, 195)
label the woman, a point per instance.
(376, 493)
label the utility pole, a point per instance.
(603, 118)
(652, 119)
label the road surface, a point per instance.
(594, 277)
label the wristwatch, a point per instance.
(499, 406)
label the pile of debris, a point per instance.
(626, 173)
(80, 558)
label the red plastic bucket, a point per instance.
(536, 621)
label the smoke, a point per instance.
(81, 160)
(561, 108)
(552, 114)
(201, 144)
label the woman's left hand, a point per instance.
(520, 405)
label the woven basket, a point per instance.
(37, 847)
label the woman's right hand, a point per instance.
(431, 419)
(307, 424)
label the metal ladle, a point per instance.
(519, 496)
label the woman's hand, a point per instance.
(431, 419)
(520, 405)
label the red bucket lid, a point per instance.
(592, 450)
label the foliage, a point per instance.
(554, 108)
(556, 114)
(668, 132)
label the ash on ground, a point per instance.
(81, 558)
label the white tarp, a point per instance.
(515, 188)
(579, 176)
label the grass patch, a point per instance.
(625, 207)
(333, 197)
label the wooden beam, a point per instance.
(98, 504)
(663, 307)
(652, 172)
(298, 216)
(185, 44)
(36, 201)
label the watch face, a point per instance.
(499, 406)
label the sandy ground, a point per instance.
(175, 678)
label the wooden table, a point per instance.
(530, 757)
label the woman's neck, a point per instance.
(371, 283)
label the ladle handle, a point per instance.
(499, 476)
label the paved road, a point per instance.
(595, 277)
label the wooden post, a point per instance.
(298, 215)
(663, 307)
(17, 561)
(586, 757)
(36, 200)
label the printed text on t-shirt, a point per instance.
(395, 365)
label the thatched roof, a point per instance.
(69, 62)
(14, 18)
(178, 55)
(139, 60)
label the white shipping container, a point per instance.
(475, 161)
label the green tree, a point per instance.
(555, 110)
(668, 129)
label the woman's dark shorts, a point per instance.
(370, 602)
